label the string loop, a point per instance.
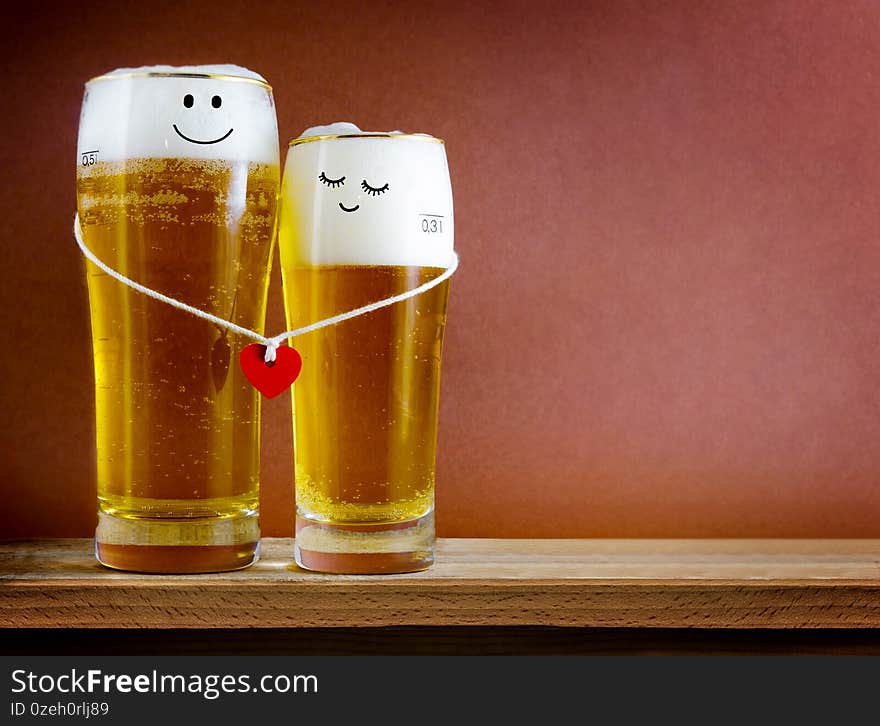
(270, 343)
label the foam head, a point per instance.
(366, 198)
(193, 112)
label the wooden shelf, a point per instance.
(728, 584)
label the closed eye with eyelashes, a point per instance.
(334, 183)
(374, 191)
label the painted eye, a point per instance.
(216, 101)
(331, 182)
(188, 100)
(374, 191)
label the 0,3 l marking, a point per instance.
(432, 223)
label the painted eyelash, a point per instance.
(373, 191)
(331, 182)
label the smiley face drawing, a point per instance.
(188, 102)
(365, 185)
(352, 197)
(221, 112)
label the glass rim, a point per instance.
(178, 74)
(367, 135)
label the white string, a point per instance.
(273, 342)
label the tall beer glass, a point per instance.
(177, 188)
(364, 217)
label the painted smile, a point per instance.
(346, 209)
(196, 141)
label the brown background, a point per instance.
(666, 322)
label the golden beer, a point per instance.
(365, 404)
(177, 423)
(365, 424)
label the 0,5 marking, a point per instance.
(90, 157)
(432, 223)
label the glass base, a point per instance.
(364, 549)
(180, 546)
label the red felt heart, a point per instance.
(270, 379)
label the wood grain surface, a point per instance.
(715, 584)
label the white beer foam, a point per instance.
(129, 115)
(409, 223)
(335, 129)
(341, 128)
(222, 69)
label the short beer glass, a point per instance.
(365, 216)
(177, 187)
